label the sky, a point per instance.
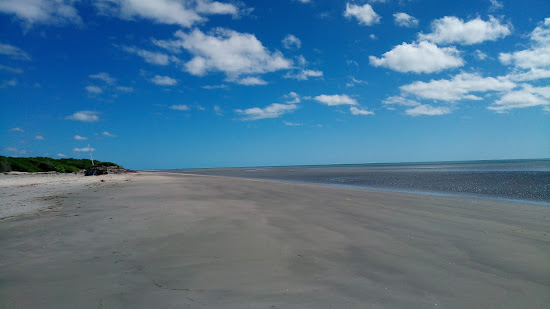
(201, 83)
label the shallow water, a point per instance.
(527, 180)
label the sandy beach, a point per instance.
(163, 240)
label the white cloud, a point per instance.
(218, 110)
(304, 74)
(304, 1)
(80, 138)
(294, 98)
(181, 107)
(9, 83)
(292, 124)
(42, 11)
(10, 69)
(401, 101)
(423, 57)
(216, 8)
(151, 57)
(480, 55)
(427, 110)
(335, 100)
(372, 36)
(291, 41)
(108, 134)
(185, 13)
(16, 150)
(163, 80)
(84, 116)
(274, 110)
(460, 87)
(39, 137)
(538, 56)
(450, 29)
(532, 74)
(94, 89)
(360, 111)
(495, 5)
(61, 155)
(17, 130)
(227, 51)
(405, 20)
(105, 77)
(354, 81)
(85, 149)
(14, 52)
(364, 14)
(529, 96)
(124, 89)
(211, 87)
(252, 81)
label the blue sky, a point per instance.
(201, 83)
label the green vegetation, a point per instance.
(42, 164)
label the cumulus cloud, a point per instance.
(84, 116)
(94, 89)
(39, 137)
(17, 130)
(451, 30)
(41, 11)
(304, 74)
(335, 99)
(354, 81)
(80, 138)
(252, 81)
(422, 57)
(538, 55)
(163, 80)
(360, 111)
(181, 107)
(364, 14)
(405, 20)
(274, 110)
(460, 87)
(291, 41)
(61, 155)
(227, 51)
(184, 13)
(529, 96)
(218, 110)
(85, 149)
(15, 150)
(14, 52)
(428, 110)
(108, 134)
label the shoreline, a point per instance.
(194, 241)
(379, 189)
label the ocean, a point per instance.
(523, 180)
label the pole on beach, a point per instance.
(90, 150)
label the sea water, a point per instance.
(524, 180)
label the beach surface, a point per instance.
(162, 240)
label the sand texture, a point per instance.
(180, 241)
(23, 193)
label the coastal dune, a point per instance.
(188, 241)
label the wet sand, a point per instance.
(182, 241)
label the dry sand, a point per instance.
(180, 241)
(22, 193)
